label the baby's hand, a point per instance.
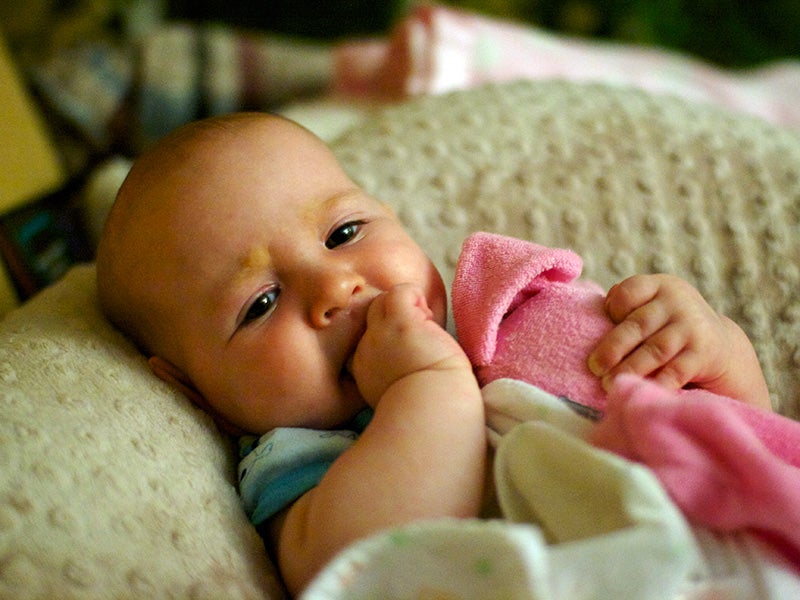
(401, 338)
(667, 331)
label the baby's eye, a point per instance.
(343, 234)
(262, 305)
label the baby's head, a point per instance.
(241, 258)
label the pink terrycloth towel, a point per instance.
(520, 312)
(727, 465)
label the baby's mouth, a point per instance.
(347, 367)
(347, 370)
(358, 320)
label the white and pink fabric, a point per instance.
(522, 313)
(728, 466)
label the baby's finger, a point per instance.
(659, 353)
(624, 338)
(630, 294)
(403, 302)
(377, 308)
(680, 370)
(406, 300)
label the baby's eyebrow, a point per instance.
(254, 262)
(235, 284)
(332, 202)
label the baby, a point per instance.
(279, 296)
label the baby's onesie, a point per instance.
(284, 463)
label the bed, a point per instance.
(115, 486)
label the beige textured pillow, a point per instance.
(111, 485)
(633, 182)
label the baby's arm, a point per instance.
(422, 455)
(667, 331)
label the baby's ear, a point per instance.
(166, 371)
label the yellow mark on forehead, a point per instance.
(256, 259)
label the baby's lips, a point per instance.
(351, 351)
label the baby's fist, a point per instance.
(401, 338)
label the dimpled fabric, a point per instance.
(632, 182)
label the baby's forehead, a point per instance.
(206, 136)
(206, 145)
(197, 171)
(151, 172)
(230, 130)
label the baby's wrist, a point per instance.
(451, 368)
(447, 372)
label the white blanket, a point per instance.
(579, 522)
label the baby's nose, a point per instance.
(345, 291)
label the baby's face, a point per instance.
(268, 260)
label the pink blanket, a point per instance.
(727, 465)
(437, 49)
(520, 312)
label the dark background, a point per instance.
(727, 32)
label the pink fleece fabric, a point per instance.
(520, 312)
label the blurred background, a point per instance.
(727, 32)
(86, 84)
